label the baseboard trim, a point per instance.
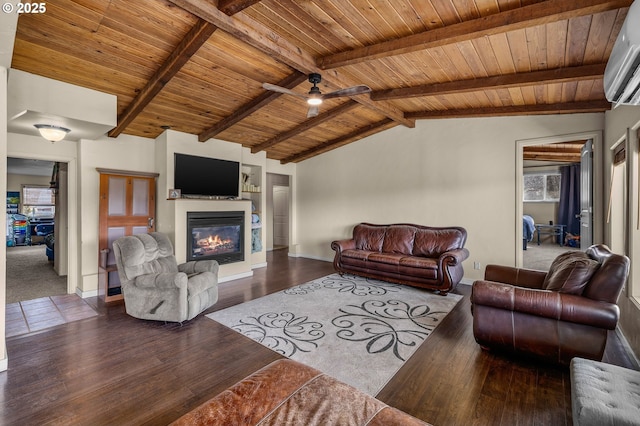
(235, 277)
(4, 362)
(259, 265)
(306, 256)
(627, 348)
(86, 294)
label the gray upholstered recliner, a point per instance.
(155, 287)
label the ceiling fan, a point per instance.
(315, 97)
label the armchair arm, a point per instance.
(165, 280)
(198, 266)
(545, 303)
(520, 277)
(342, 245)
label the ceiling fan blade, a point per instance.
(349, 91)
(279, 89)
(313, 111)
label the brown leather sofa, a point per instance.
(289, 393)
(416, 255)
(556, 315)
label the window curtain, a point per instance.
(569, 205)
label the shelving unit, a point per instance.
(252, 190)
(13, 204)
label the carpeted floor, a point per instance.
(30, 275)
(358, 330)
(541, 256)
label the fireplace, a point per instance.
(215, 235)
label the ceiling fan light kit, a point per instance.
(315, 97)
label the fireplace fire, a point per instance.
(215, 235)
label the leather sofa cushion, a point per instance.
(613, 268)
(289, 393)
(419, 262)
(399, 239)
(389, 258)
(368, 237)
(434, 242)
(357, 254)
(570, 272)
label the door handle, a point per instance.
(150, 222)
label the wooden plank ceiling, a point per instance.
(197, 66)
(561, 152)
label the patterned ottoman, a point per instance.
(604, 394)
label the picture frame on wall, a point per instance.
(175, 194)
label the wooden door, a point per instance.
(127, 207)
(280, 216)
(586, 196)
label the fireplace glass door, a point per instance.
(215, 235)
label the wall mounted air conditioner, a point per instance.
(622, 74)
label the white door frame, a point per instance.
(596, 136)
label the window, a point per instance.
(38, 202)
(542, 187)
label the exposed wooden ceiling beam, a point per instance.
(271, 43)
(252, 106)
(567, 152)
(558, 157)
(306, 125)
(527, 16)
(558, 75)
(195, 38)
(540, 109)
(574, 148)
(231, 7)
(552, 157)
(334, 143)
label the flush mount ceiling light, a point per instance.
(51, 132)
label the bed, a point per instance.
(528, 227)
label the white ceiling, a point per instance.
(23, 166)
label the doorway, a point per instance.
(36, 203)
(279, 208)
(547, 224)
(280, 216)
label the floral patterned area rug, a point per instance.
(358, 330)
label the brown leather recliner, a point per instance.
(555, 315)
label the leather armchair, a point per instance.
(155, 287)
(556, 315)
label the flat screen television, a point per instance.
(204, 176)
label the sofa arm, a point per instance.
(165, 280)
(341, 245)
(515, 276)
(453, 257)
(545, 303)
(450, 269)
(198, 266)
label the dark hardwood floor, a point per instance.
(114, 369)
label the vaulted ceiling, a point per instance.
(197, 66)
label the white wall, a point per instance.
(15, 181)
(442, 172)
(3, 213)
(623, 122)
(127, 153)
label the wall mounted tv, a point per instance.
(208, 177)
